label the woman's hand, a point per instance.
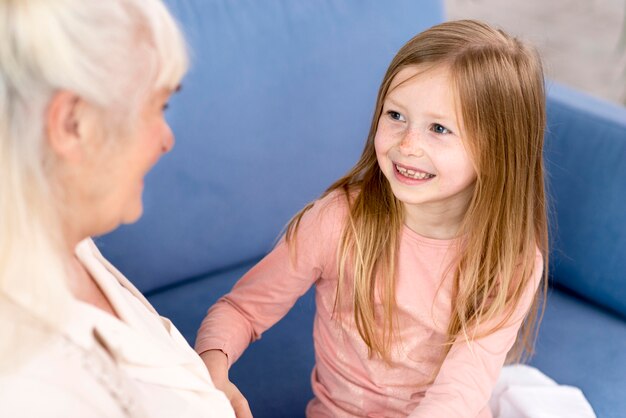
(217, 363)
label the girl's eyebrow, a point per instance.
(439, 116)
(393, 102)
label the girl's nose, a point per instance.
(411, 144)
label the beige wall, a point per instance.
(579, 40)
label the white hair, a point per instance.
(110, 53)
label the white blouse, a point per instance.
(101, 366)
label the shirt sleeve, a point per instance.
(266, 293)
(469, 372)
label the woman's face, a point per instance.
(108, 188)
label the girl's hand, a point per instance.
(217, 364)
(237, 400)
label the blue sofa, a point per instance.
(276, 106)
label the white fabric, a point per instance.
(524, 392)
(100, 366)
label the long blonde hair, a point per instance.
(499, 84)
(110, 53)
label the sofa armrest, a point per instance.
(585, 156)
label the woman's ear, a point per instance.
(65, 130)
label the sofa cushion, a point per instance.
(276, 106)
(586, 163)
(582, 345)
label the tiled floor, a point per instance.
(579, 40)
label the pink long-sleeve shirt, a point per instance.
(346, 382)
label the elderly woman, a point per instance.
(83, 87)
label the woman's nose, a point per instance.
(168, 140)
(411, 144)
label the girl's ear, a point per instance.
(65, 125)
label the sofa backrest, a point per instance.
(585, 157)
(276, 106)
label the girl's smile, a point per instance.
(411, 175)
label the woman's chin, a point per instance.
(130, 213)
(132, 216)
(126, 218)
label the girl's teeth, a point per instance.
(413, 174)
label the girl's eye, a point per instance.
(440, 129)
(395, 115)
(165, 107)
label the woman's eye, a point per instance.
(165, 107)
(440, 129)
(395, 115)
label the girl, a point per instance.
(428, 255)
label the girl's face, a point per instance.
(420, 149)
